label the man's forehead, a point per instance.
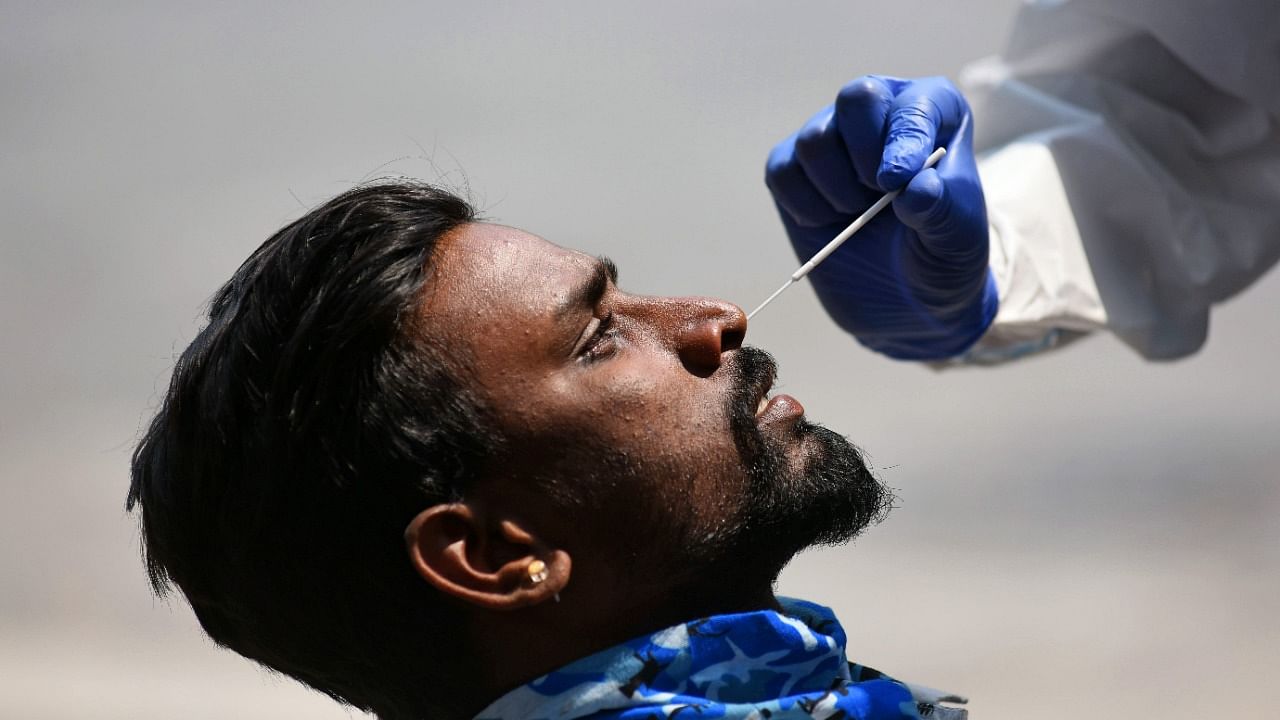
(486, 251)
(491, 270)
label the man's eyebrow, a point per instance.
(588, 293)
(609, 267)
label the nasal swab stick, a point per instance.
(845, 234)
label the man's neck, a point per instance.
(516, 648)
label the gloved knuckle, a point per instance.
(779, 158)
(863, 91)
(912, 123)
(919, 105)
(783, 179)
(808, 143)
(772, 177)
(932, 109)
(943, 94)
(919, 109)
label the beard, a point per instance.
(826, 496)
(775, 504)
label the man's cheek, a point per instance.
(629, 402)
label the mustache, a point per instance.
(754, 372)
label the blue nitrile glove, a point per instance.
(913, 284)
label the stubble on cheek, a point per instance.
(664, 476)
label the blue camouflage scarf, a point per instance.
(749, 666)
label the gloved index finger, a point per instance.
(924, 115)
(862, 115)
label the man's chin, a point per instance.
(806, 485)
(810, 488)
(813, 489)
(837, 494)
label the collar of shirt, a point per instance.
(746, 666)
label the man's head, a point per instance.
(395, 410)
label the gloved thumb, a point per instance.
(945, 204)
(949, 224)
(924, 114)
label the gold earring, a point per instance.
(537, 571)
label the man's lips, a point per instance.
(757, 373)
(762, 387)
(778, 407)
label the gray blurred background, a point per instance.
(1080, 534)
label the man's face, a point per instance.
(637, 428)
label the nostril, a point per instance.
(700, 353)
(733, 327)
(731, 338)
(714, 328)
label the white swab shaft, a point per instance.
(845, 234)
(768, 300)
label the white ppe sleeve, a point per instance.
(1130, 156)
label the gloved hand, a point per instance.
(914, 283)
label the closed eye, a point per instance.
(589, 334)
(597, 339)
(585, 299)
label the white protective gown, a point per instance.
(1131, 163)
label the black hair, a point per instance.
(303, 428)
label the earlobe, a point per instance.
(502, 568)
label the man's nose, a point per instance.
(711, 328)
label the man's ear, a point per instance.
(496, 568)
